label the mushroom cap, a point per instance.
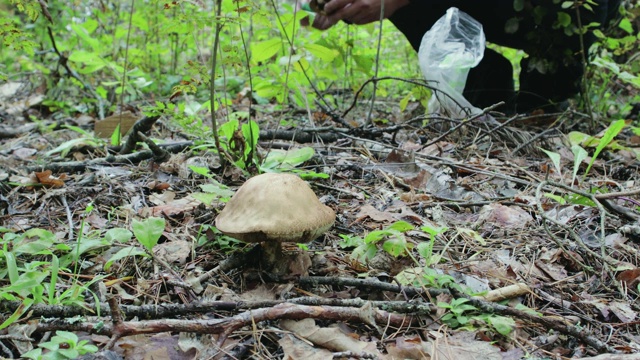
(275, 207)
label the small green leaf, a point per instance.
(564, 19)
(55, 267)
(26, 304)
(205, 198)
(557, 198)
(323, 53)
(123, 253)
(567, 4)
(579, 155)
(148, 231)
(65, 336)
(67, 146)
(12, 267)
(200, 170)
(34, 354)
(350, 241)
(579, 200)
(375, 236)
(261, 51)
(364, 252)
(625, 24)
(401, 226)
(116, 136)
(518, 5)
(84, 35)
(69, 353)
(251, 133)
(396, 245)
(287, 159)
(118, 234)
(405, 101)
(612, 131)
(555, 159)
(434, 231)
(503, 325)
(473, 235)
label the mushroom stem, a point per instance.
(272, 253)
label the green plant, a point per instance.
(286, 160)
(87, 140)
(212, 191)
(220, 241)
(392, 238)
(240, 141)
(578, 140)
(425, 249)
(458, 312)
(615, 60)
(147, 232)
(63, 345)
(462, 314)
(425, 277)
(12, 34)
(31, 263)
(393, 242)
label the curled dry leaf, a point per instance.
(44, 178)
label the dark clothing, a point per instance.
(553, 69)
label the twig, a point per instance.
(212, 88)
(377, 65)
(116, 322)
(227, 325)
(182, 284)
(300, 136)
(63, 199)
(159, 154)
(141, 126)
(111, 160)
(463, 123)
(170, 310)
(606, 262)
(357, 94)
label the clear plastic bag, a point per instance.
(453, 45)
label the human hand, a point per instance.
(355, 11)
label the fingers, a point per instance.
(354, 11)
(335, 5)
(322, 22)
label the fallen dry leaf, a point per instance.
(47, 180)
(295, 349)
(629, 277)
(504, 217)
(329, 338)
(374, 214)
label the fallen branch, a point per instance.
(164, 311)
(141, 126)
(299, 136)
(579, 332)
(226, 326)
(111, 160)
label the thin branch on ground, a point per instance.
(111, 160)
(141, 126)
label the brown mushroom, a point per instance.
(272, 209)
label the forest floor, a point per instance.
(452, 240)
